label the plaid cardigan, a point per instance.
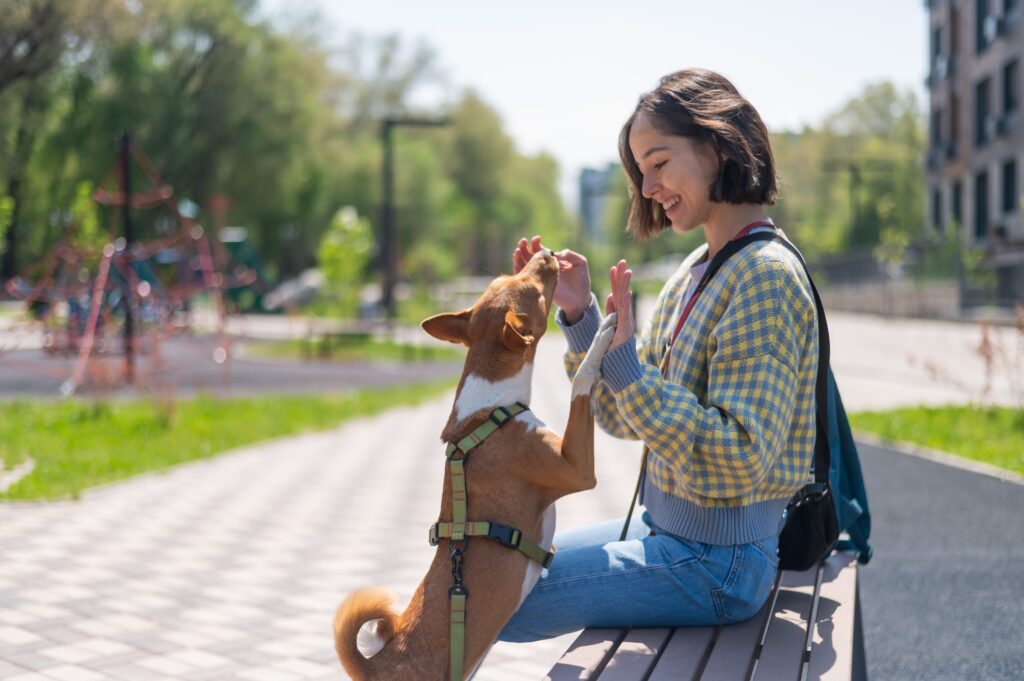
(731, 431)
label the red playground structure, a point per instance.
(96, 299)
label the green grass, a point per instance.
(994, 435)
(355, 349)
(77, 445)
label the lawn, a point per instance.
(77, 444)
(993, 435)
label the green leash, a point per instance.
(460, 529)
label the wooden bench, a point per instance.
(774, 644)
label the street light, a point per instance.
(389, 258)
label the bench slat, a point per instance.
(834, 640)
(684, 655)
(724, 664)
(636, 655)
(587, 656)
(783, 647)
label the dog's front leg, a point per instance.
(578, 440)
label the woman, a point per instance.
(726, 411)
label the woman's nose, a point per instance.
(647, 188)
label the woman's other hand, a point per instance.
(621, 300)
(573, 291)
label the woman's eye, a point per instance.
(657, 166)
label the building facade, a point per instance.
(975, 156)
(595, 186)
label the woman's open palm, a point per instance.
(620, 300)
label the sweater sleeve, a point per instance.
(723, 446)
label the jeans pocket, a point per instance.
(747, 584)
(769, 548)
(699, 550)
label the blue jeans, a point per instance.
(648, 580)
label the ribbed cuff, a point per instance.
(581, 334)
(621, 366)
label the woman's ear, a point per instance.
(515, 335)
(449, 326)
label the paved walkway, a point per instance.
(231, 568)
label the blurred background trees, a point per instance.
(843, 182)
(286, 126)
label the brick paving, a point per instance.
(231, 568)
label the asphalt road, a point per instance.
(186, 366)
(942, 598)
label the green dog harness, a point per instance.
(460, 529)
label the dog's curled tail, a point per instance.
(363, 625)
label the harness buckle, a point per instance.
(507, 535)
(432, 535)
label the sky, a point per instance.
(564, 75)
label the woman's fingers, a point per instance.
(621, 276)
(520, 256)
(621, 298)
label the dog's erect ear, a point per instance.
(515, 335)
(449, 326)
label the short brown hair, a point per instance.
(704, 105)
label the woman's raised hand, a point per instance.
(573, 291)
(621, 300)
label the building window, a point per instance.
(981, 205)
(981, 111)
(1008, 7)
(937, 210)
(1011, 87)
(936, 127)
(954, 31)
(1010, 187)
(954, 124)
(958, 191)
(981, 12)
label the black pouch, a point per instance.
(811, 528)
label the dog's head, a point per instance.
(511, 314)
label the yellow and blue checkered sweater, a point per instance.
(730, 431)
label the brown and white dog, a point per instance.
(513, 477)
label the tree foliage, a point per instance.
(287, 126)
(844, 183)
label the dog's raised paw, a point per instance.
(589, 372)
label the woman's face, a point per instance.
(677, 171)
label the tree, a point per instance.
(343, 254)
(857, 175)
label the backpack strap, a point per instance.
(822, 455)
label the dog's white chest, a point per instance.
(533, 570)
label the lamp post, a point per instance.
(388, 251)
(124, 147)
